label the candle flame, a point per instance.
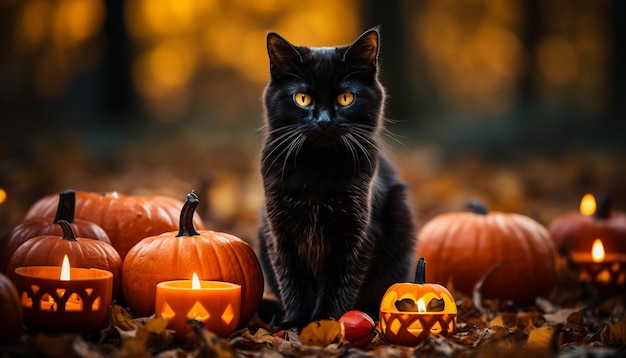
(195, 282)
(65, 269)
(597, 251)
(421, 306)
(588, 205)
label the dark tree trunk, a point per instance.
(395, 55)
(119, 93)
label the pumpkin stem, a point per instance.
(604, 207)
(68, 232)
(186, 216)
(477, 207)
(65, 210)
(420, 271)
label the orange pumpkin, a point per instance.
(48, 250)
(10, 311)
(576, 232)
(126, 219)
(38, 226)
(177, 255)
(406, 316)
(463, 246)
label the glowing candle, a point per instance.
(421, 306)
(597, 251)
(588, 205)
(215, 303)
(60, 299)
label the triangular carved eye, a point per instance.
(96, 304)
(436, 327)
(60, 292)
(198, 312)
(167, 311)
(228, 314)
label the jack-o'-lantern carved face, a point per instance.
(410, 312)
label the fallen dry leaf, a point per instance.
(560, 316)
(540, 337)
(210, 345)
(616, 333)
(121, 319)
(322, 333)
(148, 338)
(477, 293)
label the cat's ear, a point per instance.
(364, 50)
(281, 52)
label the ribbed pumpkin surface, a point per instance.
(462, 247)
(126, 219)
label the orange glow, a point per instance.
(421, 306)
(76, 21)
(166, 68)
(3, 196)
(588, 205)
(597, 251)
(65, 269)
(195, 282)
(474, 64)
(558, 60)
(35, 21)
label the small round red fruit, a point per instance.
(359, 328)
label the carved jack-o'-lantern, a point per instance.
(410, 312)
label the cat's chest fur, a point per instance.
(319, 210)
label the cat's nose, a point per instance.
(323, 119)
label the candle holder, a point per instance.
(408, 315)
(217, 304)
(54, 305)
(607, 276)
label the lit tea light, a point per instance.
(597, 251)
(421, 306)
(60, 299)
(217, 304)
(588, 205)
(49, 303)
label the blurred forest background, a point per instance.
(521, 104)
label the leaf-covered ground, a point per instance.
(575, 322)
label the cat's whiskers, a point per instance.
(382, 145)
(293, 147)
(356, 161)
(354, 138)
(279, 142)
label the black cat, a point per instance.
(336, 228)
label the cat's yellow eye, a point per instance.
(345, 99)
(302, 99)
